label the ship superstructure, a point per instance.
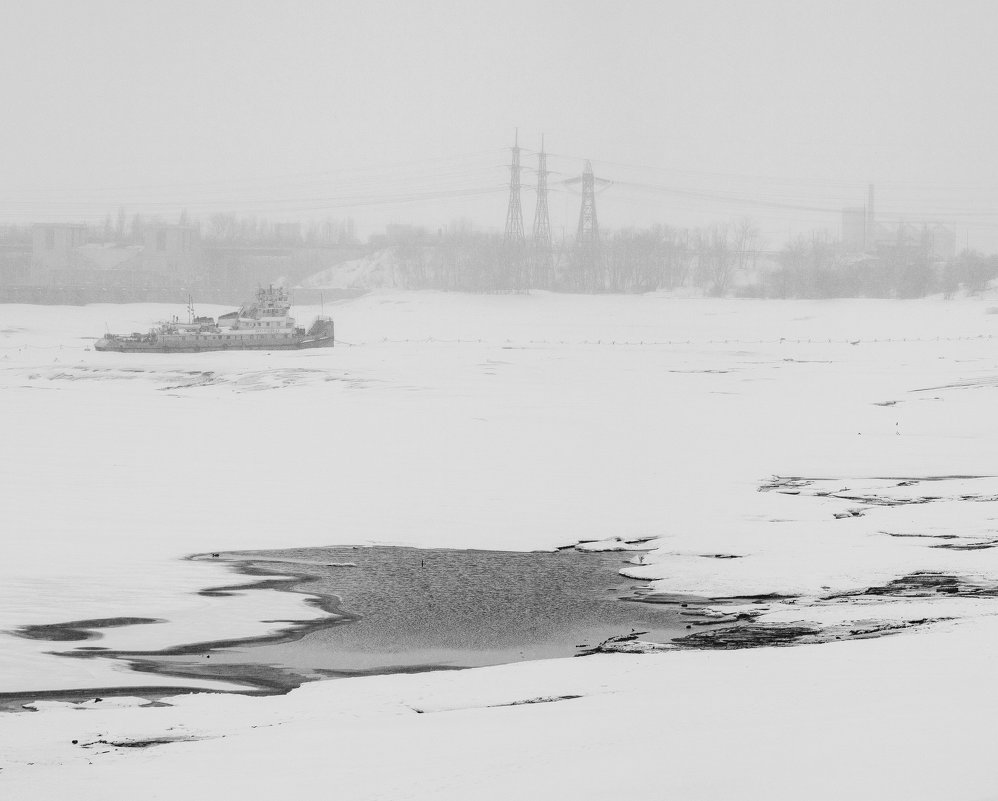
(264, 324)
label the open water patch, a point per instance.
(389, 609)
(400, 610)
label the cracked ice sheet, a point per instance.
(893, 611)
(813, 554)
(839, 555)
(162, 589)
(771, 733)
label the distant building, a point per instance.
(62, 259)
(897, 236)
(54, 251)
(173, 252)
(15, 257)
(861, 233)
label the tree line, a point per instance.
(816, 266)
(459, 258)
(726, 258)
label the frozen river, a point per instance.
(454, 423)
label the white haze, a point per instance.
(300, 109)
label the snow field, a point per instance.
(519, 422)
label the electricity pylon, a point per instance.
(542, 223)
(587, 245)
(543, 272)
(514, 214)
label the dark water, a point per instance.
(394, 609)
(411, 609)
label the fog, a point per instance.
(437, 401)
(392, 112)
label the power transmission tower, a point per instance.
(587, 243)
(510, 278)
(542, 223)
(514, 214)
(543, 264)
(588, 233)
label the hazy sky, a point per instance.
(781, 111)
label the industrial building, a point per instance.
(863, 233)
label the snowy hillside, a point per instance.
(376, 271)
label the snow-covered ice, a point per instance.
(517, 422)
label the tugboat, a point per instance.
(264, 324)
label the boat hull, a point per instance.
(264, 324)
(126, 346)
